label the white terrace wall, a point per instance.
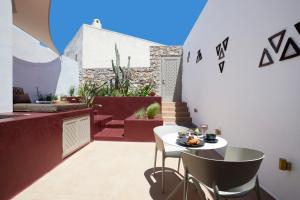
(98, 48)
(254, 107)
(5, 56)
(35, 65)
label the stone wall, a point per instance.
(138, 75)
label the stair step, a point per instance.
(177, 119)
(185, 124)
(175, 114)
(173, 104)
(102, 118)
(175, 109)
(110, 134)
(115, 124)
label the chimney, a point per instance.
(97, 23)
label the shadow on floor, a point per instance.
(172, 178)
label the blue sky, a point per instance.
(164, 21)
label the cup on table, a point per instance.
(210, 136)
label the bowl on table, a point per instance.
(182, 134)
(211, 138)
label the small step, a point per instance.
(177, 119)
(167, 104)
(110, 134)
(175, 109)
(102, 119)
(185, 124)
(115, 124)
(175, 114)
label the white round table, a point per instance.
(171, 139)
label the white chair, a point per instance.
(233, 177)
(167, 150)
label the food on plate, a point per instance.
(191, 140)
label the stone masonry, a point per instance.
(138, 75)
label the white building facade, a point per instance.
(94, 47)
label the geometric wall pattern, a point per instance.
(199, 56)
(220, 49)
(290, 49)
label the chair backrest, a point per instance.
(159, 131)
(240, 165)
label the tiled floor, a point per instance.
(108, 170)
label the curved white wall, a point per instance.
(30, 75)
(5, 56)
(35, 65)
(27, 48)
(254, 107)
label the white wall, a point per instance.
(5, 56)
(27, 48)
(30, 75)
(254, 107)
(69, 76)
(35, 65)
(98, 48)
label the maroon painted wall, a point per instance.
(123, 107)
(30, 146)
(141, 130)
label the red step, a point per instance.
(100, 121)
(110, 134)
(102, 118)
(115, 124)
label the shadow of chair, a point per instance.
(172, 178)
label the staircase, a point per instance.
(176, 113)
(109, 129)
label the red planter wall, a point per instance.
(122, 107)
(141, 129)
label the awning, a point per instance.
(32, 16)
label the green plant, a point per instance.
(153, 110)
(121, 74)
(45, 97)
(140, 114)
(145, 90)
(88, 91)
(72, 91)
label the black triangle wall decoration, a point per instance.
(218, 49)
(290, 42)
(221, 66)
(270, 60)
(225, 43)
(188, 57)
(199, 56)
(221, 54)
(297, 26)
(276, 47)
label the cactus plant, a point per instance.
(121, 74)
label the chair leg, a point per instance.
(155, 157)
(178, 164)
(216, 192)
(257, 189)
(163, 174)
(185, 187)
